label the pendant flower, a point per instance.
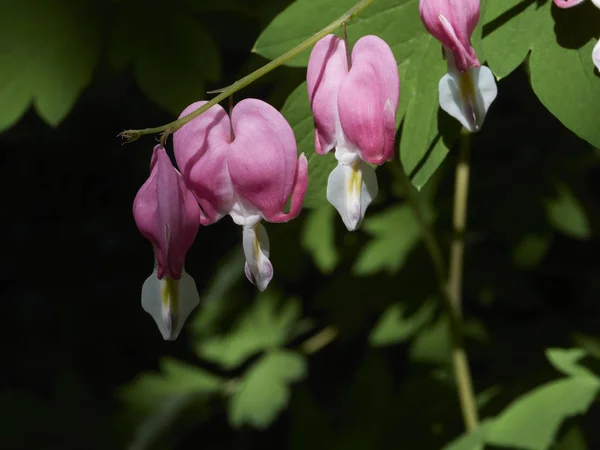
(167, 214)
(564, 4)
(245, 167)
(468, 89)
(354, 104)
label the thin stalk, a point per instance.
(132, 135)
(459, 220)
(460, 362)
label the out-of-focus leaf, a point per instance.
(532, 421)
(561, 69)
(215, 299)
(48, 52)
(175, 379)
(171, 62)
(424, 144)
(264, 390)
(574, 439)
(163, 428)
(318, 237)
(566, 214)
(566, 361)
(531, 249)
(432, 344)
(299, 115)
(475, 440)
(268, 324)
(395, 233)
(395, 325)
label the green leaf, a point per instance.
(395, 233)
(299, 115)
(264, 391)
(531, 249)
(395, 325)
(560, 64)
(566, 214)
(48, 52)
(574, 439)
(427, 134)
(164, 407)
(474, 440)
(532, 421)
(318, 237)
(566, 361)
(432, 345)
(170, 63)
(175, 379)
(167, 425)
(265, 326)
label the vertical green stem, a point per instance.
(459, 220)
(460, 362)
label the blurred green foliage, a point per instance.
(348, 348)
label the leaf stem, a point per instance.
(132, 135)
(460, 362)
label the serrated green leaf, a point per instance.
(566, 214)
(395, 233)
(560, 64)
(265, 326)
(425, 138)
(474, 440)
(318, 237)
(299, 115)
(171, 64)
(395, 325)
(532, 421)
(264, 391)
(48, 52)
(566, 361)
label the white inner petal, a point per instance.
(258, 268)
(350, 189)
(169, 302)
(467, 96)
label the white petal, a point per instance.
(259, 269)
(169, 302)
(467, 96)
(596, 51)
(350, 189)
(597, 3)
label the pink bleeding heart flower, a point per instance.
(452, 23)
(246, 167)
(567, 3)
(354, 107)
(468, 89)
(167, 214)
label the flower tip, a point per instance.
(169, 302)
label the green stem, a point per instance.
(459, 219)
(132, 135)
(460, 362)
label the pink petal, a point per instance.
(567, 3)
(368, 100)
(167, 214)
(327, 66)
(263, 161)
(452, 23)
(201, 148)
